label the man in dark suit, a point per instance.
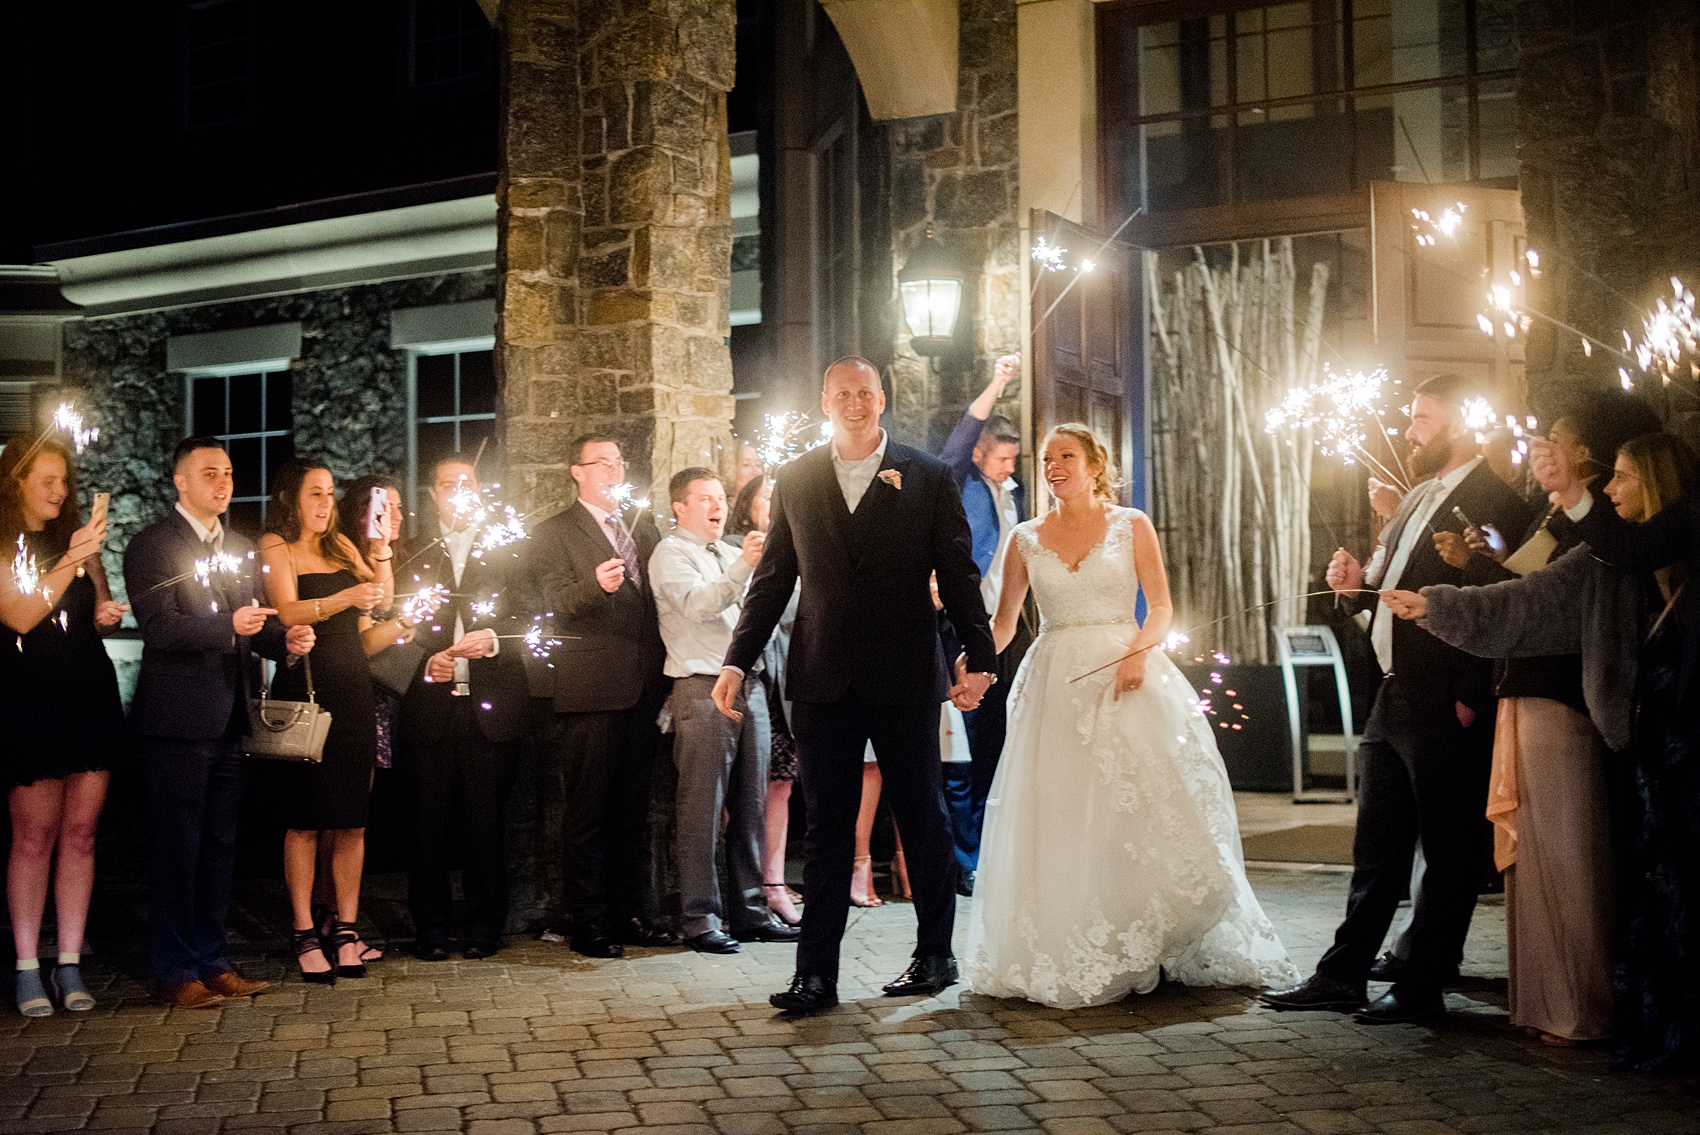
(1427, 747)
(461, 722)
(865, 522)
(189, 715)
(589, 563)
(981, 454)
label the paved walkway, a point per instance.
(540, 1040)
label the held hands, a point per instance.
(610, 574)
(480, 643)
(1344, 572)
(108, 614)
(969, 688)
(1405, 604)
(725, 693)
(249, 620)
(1130, 675)
(753, 544)
(440, 667)
(300, 640)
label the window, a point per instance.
(450, 39)
(216, 62)
(251, 414)
(1302, 99)
(454, 410)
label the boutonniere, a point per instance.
(893, 478)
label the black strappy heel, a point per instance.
(344, 934)
(307, 942)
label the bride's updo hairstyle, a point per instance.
(1105, 483)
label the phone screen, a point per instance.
(375, 511)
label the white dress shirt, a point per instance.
(699, 593)
(1003, 499)
(1416, 528)
(458, 543)
(213, 535)
(854, 477)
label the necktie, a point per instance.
(627, 547)
(713, 547)
(1398, 557)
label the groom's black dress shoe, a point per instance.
(1318, 992)
(807, 996)
(1402, 1003)
(713, 942)
(925, 977)
(772, 930)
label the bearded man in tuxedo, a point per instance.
(864, 522)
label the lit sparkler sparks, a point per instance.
(1670, 332)
(423, 604)
(782, 437)
(25, 574)
(1338, 410)
(500, 531)
(1048, 254)
(484, 609)
(1429, 229)
(540, 645)
(219, 563)
(70, 420)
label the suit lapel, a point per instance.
(874, 511)
(824, 484)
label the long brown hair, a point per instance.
(284, 518)
(17, 461)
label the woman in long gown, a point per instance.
(1111, 853)
(315, 575)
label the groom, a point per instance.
(865, 522)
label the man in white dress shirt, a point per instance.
(699, 592)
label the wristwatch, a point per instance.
(991, 678)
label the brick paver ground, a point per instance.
(540, 1040)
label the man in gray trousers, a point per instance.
(699, 587)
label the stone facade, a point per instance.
(958, 173)
(349, 387)
(615, 235)
(1609, 148)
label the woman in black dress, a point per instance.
(314, 575)
(59, 710)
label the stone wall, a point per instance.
(958, 173)
(615, 231)
(1610, 165)
(349, 387)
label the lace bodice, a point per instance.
(1099, 591)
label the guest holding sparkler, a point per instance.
(59, 711)
(750, 513)
(590, 561)
(316, 577)
(190, 712)
(1427, 745)
(354, 521)
(463, 718)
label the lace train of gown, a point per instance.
(1111, 851)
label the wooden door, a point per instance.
(1427, 297)
(1088, 361)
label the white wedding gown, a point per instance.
(1111, 852)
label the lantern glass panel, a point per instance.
(930, 307)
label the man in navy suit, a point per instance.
(190, 713)
(865, 523)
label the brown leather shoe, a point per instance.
(232, 984)
(192, 995)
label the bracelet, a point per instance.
(318, 612)
(383, 559)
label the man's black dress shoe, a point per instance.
(637, 932)
(431, 952)
(807, 996)
(595, 943)
(1317, 992)
(965, 883)
(772, 930)
(924, 977)
(713, 942)
(480, 948)
(1401, 1004)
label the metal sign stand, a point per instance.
(1316, 646)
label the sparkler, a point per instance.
(1049, 255)
(625, 497)
(219, 563)
(422, 604)
(484, 609)
(1671, 330)
(500, 532)
(69, 419)
(25, 574)
(1429, 228)
(781, 437)
(1336, 409)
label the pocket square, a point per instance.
(893, 478)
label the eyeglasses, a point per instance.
(606, 463)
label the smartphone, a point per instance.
(375, 511)
(97, 511)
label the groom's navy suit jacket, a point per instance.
(865, 619)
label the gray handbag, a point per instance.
(288, 730)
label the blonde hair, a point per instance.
(1105, 483)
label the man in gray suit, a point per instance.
(699, 591)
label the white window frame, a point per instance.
(415, 352)
(262, 369)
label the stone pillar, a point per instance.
(959, 173)
(1609, 151)
(615, 237)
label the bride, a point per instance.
(1111, 852)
